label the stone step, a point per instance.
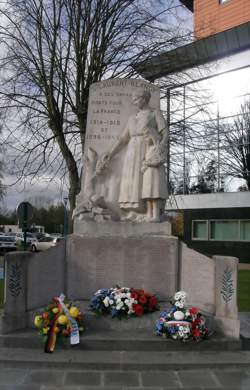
(144, 323)
(120, 341)
(121, 360)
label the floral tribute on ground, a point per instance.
(180, 322)
(123, 302)
(59, 320)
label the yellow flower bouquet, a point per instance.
(59, 319)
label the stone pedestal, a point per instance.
(124, 229)
(226, 314)
(124, 254)
(15, 294)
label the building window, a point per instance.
(224, 230)
(223, 1)
(200, 230)
(221, 230)
(245, 230)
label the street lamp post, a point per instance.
(65, 223)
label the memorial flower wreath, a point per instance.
(58, 320)
(180, 322)
(123, 302)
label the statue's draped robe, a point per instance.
(130, 194)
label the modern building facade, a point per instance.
(216, 224)
(214, 16)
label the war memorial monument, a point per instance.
(122, 235)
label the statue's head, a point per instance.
(141, 98)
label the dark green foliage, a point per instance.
(52, 218)
(7, 217)
(244, 290)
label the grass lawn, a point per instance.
(243, 290)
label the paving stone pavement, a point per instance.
(200, 379)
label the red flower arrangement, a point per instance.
(146, 303)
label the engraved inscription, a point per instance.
(110, 105)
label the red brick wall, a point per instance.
(211, 17)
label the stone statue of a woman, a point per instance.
(134, 139)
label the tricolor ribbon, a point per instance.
(74, 334)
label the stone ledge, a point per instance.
(127, 229)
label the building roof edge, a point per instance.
(189, 4)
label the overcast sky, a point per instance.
(16, 193)
(57, 190)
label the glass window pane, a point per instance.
(245, 230)
(200, 229)
(224, 230)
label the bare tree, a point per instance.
(235, 161)
(53, 51)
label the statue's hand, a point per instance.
(102, 163)
(106, 157)
(144, 167)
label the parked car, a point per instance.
(7, 243)
(29, 238)
(45, 243)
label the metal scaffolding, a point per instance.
(198, 131)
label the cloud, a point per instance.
(19, 192)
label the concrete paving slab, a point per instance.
(45, 377)
(12, 376)
(19, 387)
(186, 388)
(233, 379)
(60, 387)
(161, 379)
(82, 378)
(121, 378)
(143, 388)
(197, 378)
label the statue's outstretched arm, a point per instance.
(119, 144)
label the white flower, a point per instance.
(106, 301)
(178, 315)
(180, 304)
(181, 328)
(118, 300)
(177, 296)
(111, 301)
(119, 306)
(177, 304)
(180, 295)
(186, 329)
(187, 313)
(128, 295)
(180, 333)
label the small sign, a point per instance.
(24, 214)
